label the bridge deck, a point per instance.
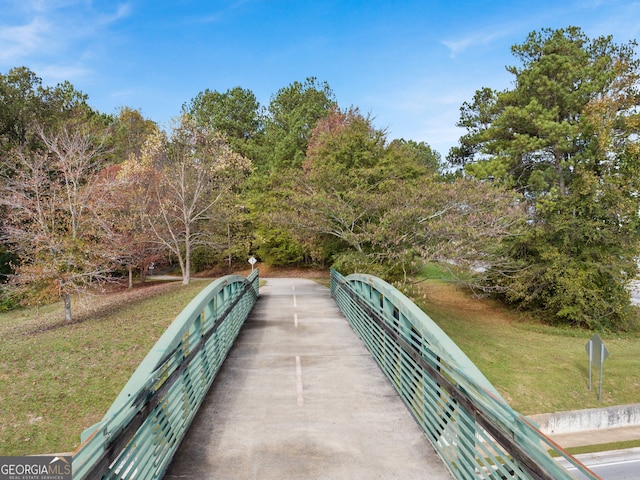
(300, 397)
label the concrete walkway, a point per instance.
(300, 397)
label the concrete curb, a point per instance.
(588, 419)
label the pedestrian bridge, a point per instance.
(349, 382)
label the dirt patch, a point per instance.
(449, 297)
(267, 271)
(99, 304)
(90, 306)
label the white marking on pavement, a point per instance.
(295, 319)
(606, 464)
(299, 381)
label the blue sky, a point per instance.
(410, 64)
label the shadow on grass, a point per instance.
(88, 307)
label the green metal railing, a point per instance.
(476, 433)
(141, 431)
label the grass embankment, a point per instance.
(537, 368)
(58, 379)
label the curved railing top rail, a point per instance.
(438, 340)
(442, 387)
(147, 371)
(185, 358)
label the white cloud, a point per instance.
(222, 12)
(51, 5)
(18, 41)
(56, 36)
(595, 17)
(485, 36)
(123, 11)
(59, 73)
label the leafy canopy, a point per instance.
(566, 138)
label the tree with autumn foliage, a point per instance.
(186, 182)
(124, 197)
(368, 205)
(24, 102)
(53, 223)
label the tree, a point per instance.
(236, 114)
(191, 173)
(24, 101)
(576, 265)
(129, 132)
(294, 112)
(124, 194)
(125, 191)
(20, 99)
(368, 205)
(338, 190)
(420, 153)
(52, 225)
(566, 138)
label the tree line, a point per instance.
(537, 205)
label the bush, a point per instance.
(278, 248)
(7, 302)
(356, 262)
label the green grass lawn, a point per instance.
(537, 368)
(56, 379)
